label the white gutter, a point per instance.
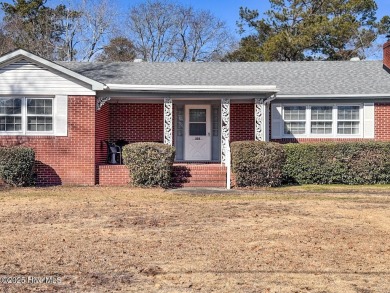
(195, 88)
(333, 96)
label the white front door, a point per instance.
(197, 143)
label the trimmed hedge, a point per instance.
(337, 163)
(16, 165)
(150, 163)
(257, 163)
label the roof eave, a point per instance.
(194, 88)
(332, 96)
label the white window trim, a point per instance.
(24, 130)
(334, 133)
(292, 121)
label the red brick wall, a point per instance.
(113, 175)
(65, 160)
(242, 122)
(382, 121)
(102, 133)
(137, 122)
(386, 54)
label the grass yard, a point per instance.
(296, 239)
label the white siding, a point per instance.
(26, 78)
(277, 121)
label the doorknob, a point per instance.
(208, 133)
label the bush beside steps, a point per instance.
(257, 163)
(150, 164)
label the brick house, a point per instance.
(66, 111)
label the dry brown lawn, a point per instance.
(132, 240)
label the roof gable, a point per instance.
(28, 61)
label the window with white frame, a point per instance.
(39, 114)
(294, 119)
(26, 115)
(348, 119)
(11, 115)
(320, 120)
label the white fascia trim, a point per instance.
(333, 96)
(195, 88)
(96, 86)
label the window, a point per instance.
(294, 119)
(318, 120)
(348, 120)
(26, 115)
(39, 114)
(10, 114)
(321, 120)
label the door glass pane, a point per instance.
(197, 128)
(180, 121)
(197, 115)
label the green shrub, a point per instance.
(337, 163)
(256, 163)
(149, 163)
(16, 165)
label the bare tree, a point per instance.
(89, 26)
(167, 31)
(208, 38)
(153, 31)
(97, 23)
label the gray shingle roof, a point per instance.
(291, 78)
